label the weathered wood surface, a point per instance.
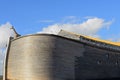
(50, 57)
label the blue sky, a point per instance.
(29, 16)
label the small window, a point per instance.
(116, 63)
(99, 62)
(107, 55)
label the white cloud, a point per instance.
(5, 33)
(53, 29)
(89, 27)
